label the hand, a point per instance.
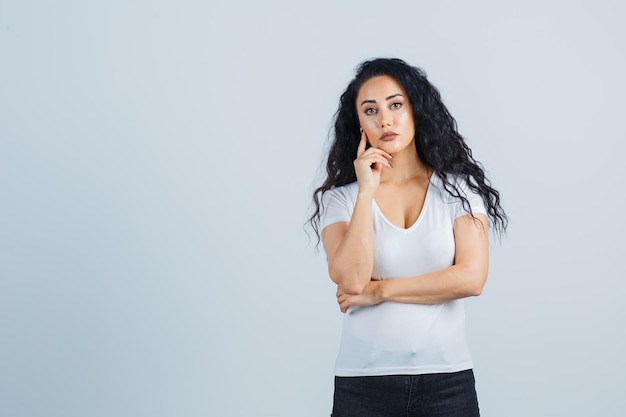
(369, 164)
(368, 297)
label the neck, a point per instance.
(406, 166)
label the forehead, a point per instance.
(381, 86)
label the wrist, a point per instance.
(379, 290)
(365, 195)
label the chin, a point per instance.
(393, 147)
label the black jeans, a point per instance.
(428, 395)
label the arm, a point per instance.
(349, 246)
(465, 278)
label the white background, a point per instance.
(157, 160)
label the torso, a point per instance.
(402, 204)
(402, 338)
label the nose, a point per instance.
(385, 118)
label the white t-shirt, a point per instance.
(395, 338)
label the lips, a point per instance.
(388, 136)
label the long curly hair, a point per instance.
(439, 145)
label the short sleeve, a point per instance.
(336, 207)
(475, 200)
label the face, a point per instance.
(385, 114)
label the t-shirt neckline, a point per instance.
(419, 217)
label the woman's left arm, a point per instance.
(465, 278)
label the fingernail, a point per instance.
(390, 165)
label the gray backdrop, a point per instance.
(156, 164)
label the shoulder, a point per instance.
(338, 204)
(345, 193)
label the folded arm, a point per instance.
(465, 278)
(349, 247)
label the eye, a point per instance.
(396, 105)
(370, 111)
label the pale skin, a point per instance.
(391, 173)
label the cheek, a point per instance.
(368, 122)
(407, 120)
(406, 117)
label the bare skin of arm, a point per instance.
(465, 278)
(350, 245)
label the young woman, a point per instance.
(404, 215)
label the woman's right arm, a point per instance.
(349, 246)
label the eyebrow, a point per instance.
(386, 98)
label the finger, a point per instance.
(361, 149)
(375, 156)
(375, 159)
(385, 163)
(372, 151)
(343, 307)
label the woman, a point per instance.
(403, 215)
